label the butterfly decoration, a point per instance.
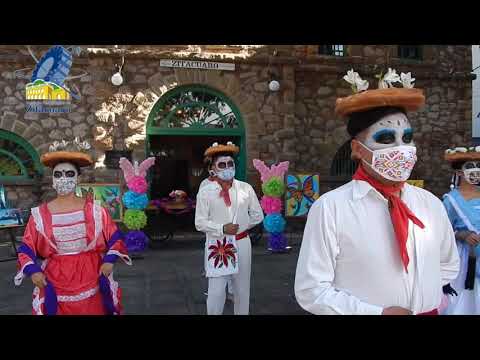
(130, 171)
(301, 194)
(266, 172)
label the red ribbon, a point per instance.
(399, 212)
(226, 185)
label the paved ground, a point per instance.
(169, 281)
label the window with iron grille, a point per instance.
(332, 50)
(342, 164)
(410, 52)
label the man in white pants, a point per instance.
(206, 181)
(226, 209)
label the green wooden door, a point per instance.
(197, 110)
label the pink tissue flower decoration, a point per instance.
(271, 205)
(138, 184)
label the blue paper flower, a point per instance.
(277, 242)
(274, 223)
(136, 201)
(136, 241)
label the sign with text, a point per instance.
(195, 64)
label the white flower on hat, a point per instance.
(461, 149)
(407, 80)
(215, 144)
(390, 77)
(477, 148)
(357, 83)
(229, 143)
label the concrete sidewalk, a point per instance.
(169, 281)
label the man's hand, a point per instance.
(39, 280)
(473, 239)
(396, 310)
(230, 229)
(106, 269)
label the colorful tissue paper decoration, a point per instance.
(273, 187)
(135, 200)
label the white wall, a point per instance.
(476, 92)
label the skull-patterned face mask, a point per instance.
(471, 172)
(65, 178)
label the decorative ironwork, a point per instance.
(342, 164)
(195, 107)
(18, 159)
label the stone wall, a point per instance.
(296, 124)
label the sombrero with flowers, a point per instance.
(73, 152)
(462, 154)
(217, 148)
(407, 98)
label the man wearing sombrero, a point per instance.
(226, 209)
(377, 245)
(70, 244)
(463, 204)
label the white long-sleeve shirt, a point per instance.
(212, 213)
(349, 260)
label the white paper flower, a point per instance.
(461, 149)
(388, 79)
(357, 83)
(407, 80)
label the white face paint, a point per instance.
(471, 172)
(390, 140)
(225, 168)
(392, 130)
(65, 178)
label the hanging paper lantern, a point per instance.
(271, 205)
(136, 201)
(274, 187)
(274, 223)
(136, 241)
(135, 219)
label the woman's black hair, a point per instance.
(359, 121)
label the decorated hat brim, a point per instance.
(51, 159)
(462, 156)
(219, 149)
(407, 99)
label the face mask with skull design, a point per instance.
(390, 141)
(65, 178)
(225, 168)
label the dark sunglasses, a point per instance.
(223, 164)
(69, 174)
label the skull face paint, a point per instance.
(390, 141)
(65, 178)
(392, 130)
(225, 168)
(471, 172)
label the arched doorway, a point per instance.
(19, 162)
(180, 126)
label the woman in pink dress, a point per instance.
(70, 246)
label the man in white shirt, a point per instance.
(377, 245)
(225, 210)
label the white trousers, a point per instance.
(240, 284)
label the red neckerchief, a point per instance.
(226, 185)
(399, 212)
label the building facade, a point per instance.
(174, 113)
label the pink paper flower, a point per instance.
(138, 184)
(271, 205)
